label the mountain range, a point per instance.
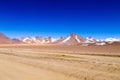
(72, 39)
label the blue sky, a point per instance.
(97, 18)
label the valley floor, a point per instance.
(51, 62)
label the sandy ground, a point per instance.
(53, 62)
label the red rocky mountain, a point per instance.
(4, 39)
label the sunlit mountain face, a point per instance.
(72, 39)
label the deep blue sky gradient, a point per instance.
(97, 18)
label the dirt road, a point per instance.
(37, 64)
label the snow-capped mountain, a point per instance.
(37, 40)
(58, 41)
(72, 39)
(112, 40)
(90, 40)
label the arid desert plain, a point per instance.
(59, 62)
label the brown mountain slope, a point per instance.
(4, 39)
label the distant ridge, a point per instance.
(4, 39)
(16, 41)
(72, 39)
